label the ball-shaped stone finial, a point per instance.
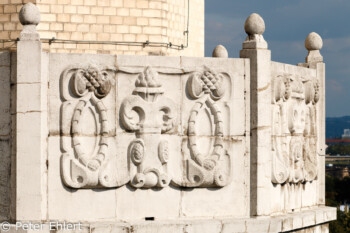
(220, 51)
(254, 25)
(29, 14)
(313, 41)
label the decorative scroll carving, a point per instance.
(82, 89)
(88, 140)
(212, 169)
(294, 132)
(149, 114)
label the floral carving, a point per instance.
(294, 132)
(155, 116)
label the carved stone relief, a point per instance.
(213, 168)
(148, 113)
(294, 131)
(88, 141)
(85, 130)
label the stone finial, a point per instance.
(29, 16)
(313, 43)
(220, 51)
(254, 26)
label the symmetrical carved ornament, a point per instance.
(294, 131)
(82, 90)
(211, 169)
(87, 138)
(148, 153)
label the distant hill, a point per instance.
(335, 126)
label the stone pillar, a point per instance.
(31, 121)
(314, 60)
(255, 48)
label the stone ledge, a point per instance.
(280, 223)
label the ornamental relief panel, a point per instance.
(86, 133)
(90, 157)
(149, 114)
(294, 131)
(210, 167)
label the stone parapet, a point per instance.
(126, 143)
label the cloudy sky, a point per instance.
(288, 22)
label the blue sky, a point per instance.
(288, 22)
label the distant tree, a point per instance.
(346, 220)
(338, 193)
(331, 192)
(338, 226)
(338, 149)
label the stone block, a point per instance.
(83, 10)
(204, 226)
(237, 226)
(70, 9)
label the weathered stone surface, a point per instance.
(313, 41)
(220, 51)
(163, 144)
(151, 104)
(254, 24)
(29, 14)
(295, 99)
(29, 17)
(295, 222)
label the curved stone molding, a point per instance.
(149, 114)
(294, 132)
(85, 131)
(212, 169)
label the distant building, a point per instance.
(330, 141)
(346, 134)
